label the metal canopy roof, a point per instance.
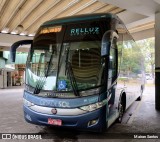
(25, 16)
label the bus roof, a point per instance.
(77, 18)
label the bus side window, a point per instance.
(112, 73)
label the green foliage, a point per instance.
(148, 49)
(131, 57)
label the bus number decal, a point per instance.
(91, 100)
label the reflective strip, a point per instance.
(60, 111)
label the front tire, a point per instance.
(140, 97)
(121, 111)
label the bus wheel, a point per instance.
(140, 97)
(121, 111)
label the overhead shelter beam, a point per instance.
(40, 11)
(13, 13)
(144, 7)
(62, 6)
(24, 13)
(143, 34)
(12, 38)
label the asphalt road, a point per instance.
(141, 117)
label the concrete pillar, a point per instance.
(3, 79)
(157, 61)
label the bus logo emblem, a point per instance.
(54, 111)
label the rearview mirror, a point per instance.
(107, 41)
(15, 46)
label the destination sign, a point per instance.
(54, 29)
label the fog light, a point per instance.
(92, 122)
(28, 117)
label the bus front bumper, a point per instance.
(92, 121)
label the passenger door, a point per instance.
(112, 75)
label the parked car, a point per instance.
(148, 76)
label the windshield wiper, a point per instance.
(72, 78)
(69, 71)
(39, 64)
(49, 65)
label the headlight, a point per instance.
(92, 107)
(95, 106)
(27, 103)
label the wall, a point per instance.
(2, 62)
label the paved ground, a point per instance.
(141, 117)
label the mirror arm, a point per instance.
(15, 46)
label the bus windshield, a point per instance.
(66, 59)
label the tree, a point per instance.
(148, 49)
(132, 58)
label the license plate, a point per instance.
(57, 122)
